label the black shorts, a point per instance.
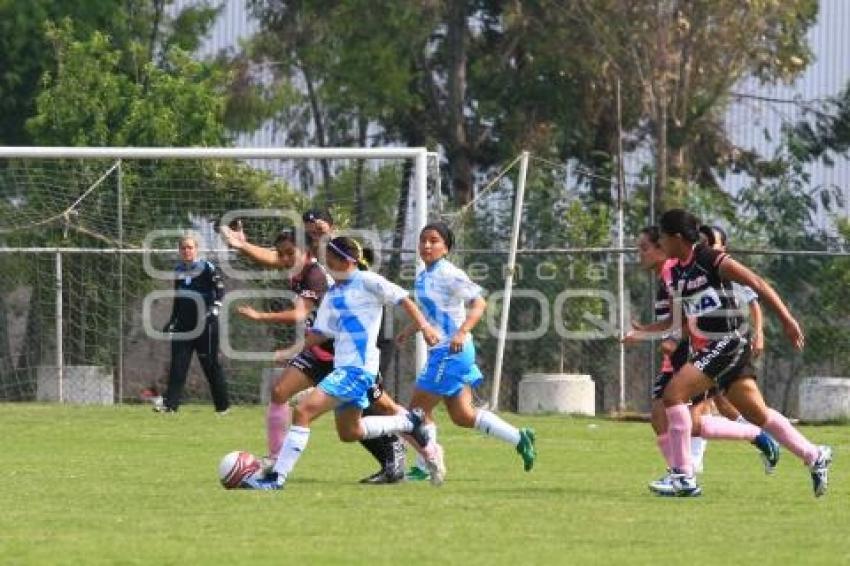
(725, 360)
(316, 370)
(660, 383)
(663, 378)
(311, 366)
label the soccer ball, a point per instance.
(235, 467)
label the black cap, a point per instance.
(317, 214)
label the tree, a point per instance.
(97, 94)
(25, 51)
(825, 131)
(678, 62)
(136, 27)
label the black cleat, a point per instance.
(383, 477)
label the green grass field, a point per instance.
(122, 485)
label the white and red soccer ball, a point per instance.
(235, 467)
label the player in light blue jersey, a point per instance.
(351, 314)
(443, 292)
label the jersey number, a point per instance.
(702, 303)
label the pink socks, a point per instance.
(278, 418)
(679, 431)
(723, 428)
(789, 437)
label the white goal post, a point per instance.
(419, 188)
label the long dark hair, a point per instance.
(680, 221)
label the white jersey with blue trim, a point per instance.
(744, 293)
(351, 313)
(442, 291)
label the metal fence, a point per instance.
(562, 320)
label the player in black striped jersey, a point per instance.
(701, 283)
(674, 347)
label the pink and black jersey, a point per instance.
(708, 301)
(312, 282)
(679, 357)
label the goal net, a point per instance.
(88, 240)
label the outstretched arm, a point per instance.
(258, 254)
(734, 271)
(298, 313)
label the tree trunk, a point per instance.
(32, 350)
(158, 9)
(6, 367)
(458, 150)
(394, 268)
(359, 216)
(321, 141)
(661, 101)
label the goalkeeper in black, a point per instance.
(198, 292)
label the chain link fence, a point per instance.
(564, 316)
(562, 320)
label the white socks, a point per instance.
(375, 426)
(697, 452)
(293, 446)
(492, 425)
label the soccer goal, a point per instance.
(88, 240)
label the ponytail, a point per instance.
(680, 221)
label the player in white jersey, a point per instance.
(443, 292)
(351, 314)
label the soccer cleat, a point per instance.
(525, 448)
(820, 470)
(769, 450)
(163, 409)
(415, 473)
(397, 458)
(384, 477)
(436, 465)
(684, 485)
(263, 482)
(418, 431)
(663, 485)
(267, 465)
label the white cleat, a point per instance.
(820, 470)
(436, 465)
(662, 486)
(684, 485)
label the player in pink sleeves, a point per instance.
(675, 350)
(351, 314)
(701, 282)
(309, 282)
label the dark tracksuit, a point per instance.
(201, 279)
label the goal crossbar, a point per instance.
(212, 153)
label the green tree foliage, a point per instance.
(677, 62)
(90, 101)
(26, 53)
(141, 89)
(827, 132)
